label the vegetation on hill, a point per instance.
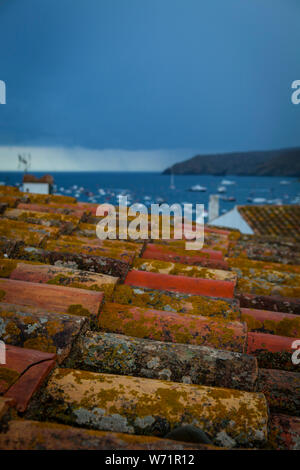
(285, 162)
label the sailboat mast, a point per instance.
(172, 185)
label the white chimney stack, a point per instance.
(213, 207)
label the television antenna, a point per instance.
(24, 161)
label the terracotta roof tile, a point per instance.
(167, 321)
(166, 282)
(9, 200)
(275, 250)
(167, 267)
(152, 402)
(278, 323)
(167, 253)
(272, 220)
(27, 178)
(34, 435)
(272, 351)
(51, 297)
(180, 249)
(23, 374)
(70, 209)
(177, 302)
(104, 263)
(41, 218)
(56, 275)
(30, 234)
(173, 327)
(284, 432)
(115, 250)
(272, 343)
(33, 328)
(282, 390)
(57, 200)
(28, 383)
(8, 190)
(177, 362)
(273, 303)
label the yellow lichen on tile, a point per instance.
(134, 404)
(177, 269)
(191, 304)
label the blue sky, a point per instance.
(171, 78)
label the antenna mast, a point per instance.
(24, 162)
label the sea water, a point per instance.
(148, 188)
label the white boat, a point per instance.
(259, 200)
(285, 182)
(222, 189)
(227, 182)
(198, 187)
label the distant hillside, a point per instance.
(285, 162)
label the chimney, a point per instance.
(213, 207)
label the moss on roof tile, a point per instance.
(174, 302)
(272, 220)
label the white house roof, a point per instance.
(233, 219)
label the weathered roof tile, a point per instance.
(33, 328)
(30, 234)
(36, 435)
(173, 327)
(273, 303)
(101, 401)
(196, 286)
(167, 267)
(23, 373)
(284, 432)
(272, 351)
(56, 275)
(278, 323)
(177, 302)
(282, 390)
(175, 318)
(163, 360)
(273, 220)
(51, 297)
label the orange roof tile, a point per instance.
(272, 220)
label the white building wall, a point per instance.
(233, 219)
(37, 188)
